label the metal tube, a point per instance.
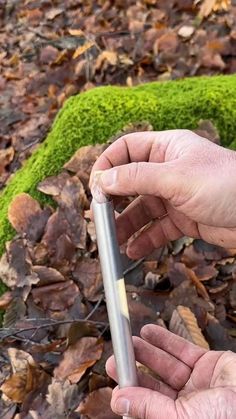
(115, 293)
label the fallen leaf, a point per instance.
(5, 299)
(76, 32)
(217, 336)
(222, 287)
(78, 358)
(7, 409)
(205, 272)
(82, 49)
(185, 294)
(109, 57)
(14, 312)
(26, 216)
(66, 190)
(167, 42)
(200, 287)
(27, 376)
(63, 397)
(48, 54)
(6, 156)
(82, 161)
(208, 6)
(16, 266)
(54, 12)
(232, 295)
(89, 277)
(97, 405)
(208, 130)
(79, 330)
(47, 275)
(64, 295)
(65, 222)
(184, 323)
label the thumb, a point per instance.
(159, 179)
(142, 403)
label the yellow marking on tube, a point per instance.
(123, 297)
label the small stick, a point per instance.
(114, 288)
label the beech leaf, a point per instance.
(77, 358)
(184, 323)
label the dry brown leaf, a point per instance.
(47, 275)
(167, 42)
(64, 295)
(52, 13)
(82, 49)
(5, 299)
(77, 358)
(232, 295)
(20, 211)
(16, 266)
(97, 405)
(82, 161)
(205, 272)
(6, 156)
(208, 6)
(62, 397)
(19, 385)
(27, 376)
(110, 57)
(76, 32)
(89, 276)
(200, 287)
(79, 330)
(218, 336)
(14, 312)
(184, 323)
(65, 222)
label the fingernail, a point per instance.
(122, 406)
(109, 177)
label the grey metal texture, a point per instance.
(116, 299)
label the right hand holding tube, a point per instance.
(172, 172)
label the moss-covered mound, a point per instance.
(98, 114)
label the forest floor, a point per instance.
(53, 349)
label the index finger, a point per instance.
(135, 147)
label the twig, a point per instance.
(133, 266)
(56, 323)
(95, 308)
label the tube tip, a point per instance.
(96, 189)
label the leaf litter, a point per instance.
(50, 51)
(55, 335)
(54, 311)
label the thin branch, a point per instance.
(95, 308)
(57, 323)
(133, 266)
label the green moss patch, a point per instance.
(100, 113)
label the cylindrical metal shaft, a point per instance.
(115, 293)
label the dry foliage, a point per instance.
(55, 336)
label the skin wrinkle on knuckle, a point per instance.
(133, 174)
(180, 377)
(145, 407)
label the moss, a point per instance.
(98, 114)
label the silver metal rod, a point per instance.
(115, 293)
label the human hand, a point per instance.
(196, 383)
(186, 185)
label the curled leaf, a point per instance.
(184, 323)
